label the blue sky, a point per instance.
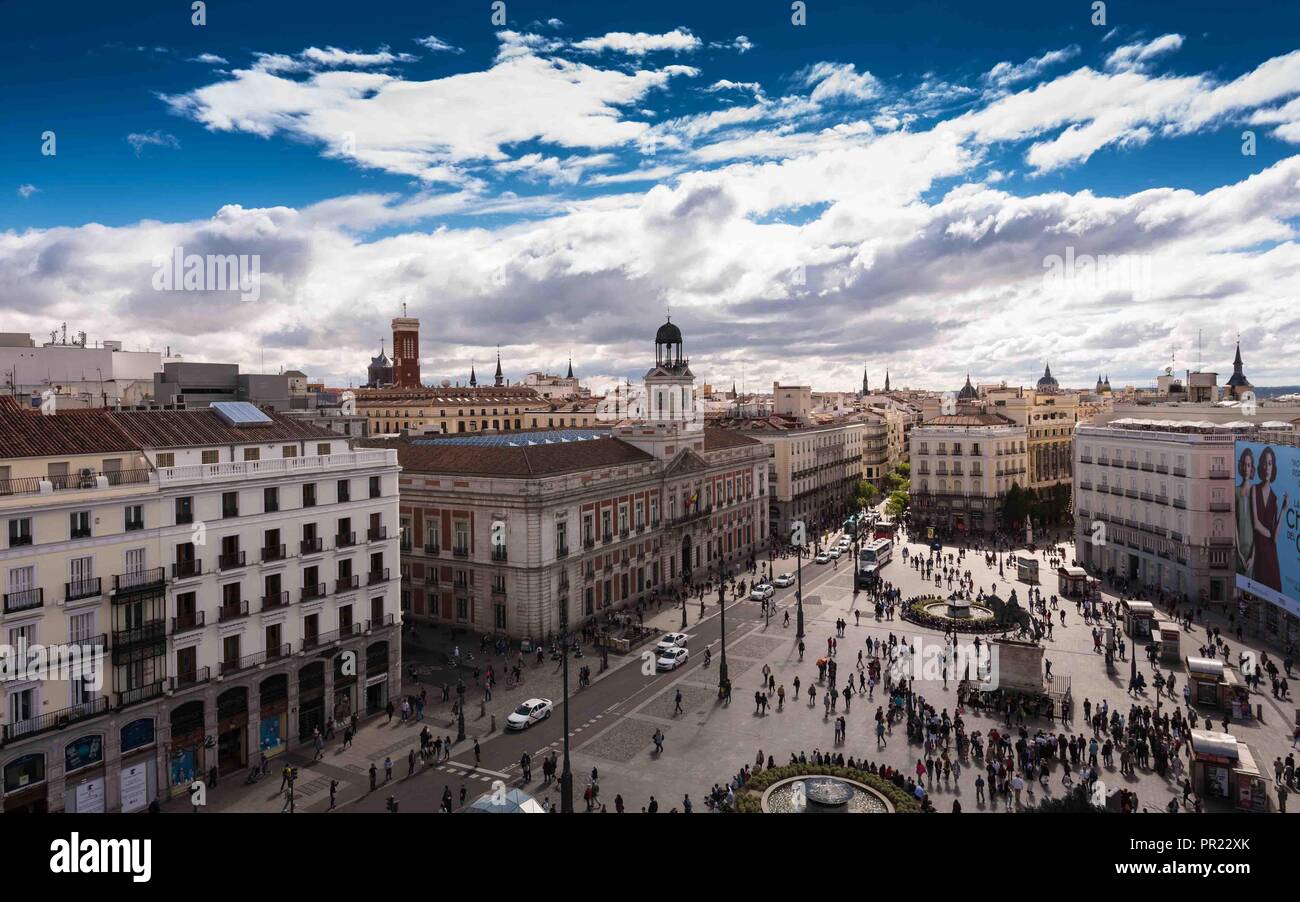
(877, 188)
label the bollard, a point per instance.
(493, 724)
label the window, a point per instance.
(270, 499)
(252, 454)
(79, 522)
(230, 504)
(345, 490)
(309, 494)
(185, 509)
(134, 517)
(375, 489)
(323, 448)
(166, 459)
(289, 451)
(20, 531)
(211, 456)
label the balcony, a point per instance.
(187, 569)
(183, 623)
(588, 543)
(1148, 466)
(84, 588)
(431, 579)
(31, 485)
(432, 549)
(379, 623)
(24, 600)
(377, 534)
(1220, 473)
(460, 551)
(345, 540)
(607, 537)
(231, 560)
(318, 640)
(80, 532)
(347, 583)
(1180, 503)
(228, 612)
(141, 694)
(139, 581)
(184, 518)
(1162, 499)
(282, 468)
(1147, 496)
(229, 511)
(273, 553)
(1163, 469)
(377, 576)
(1085, 459)
(1218, 541)
(1131, 464)
(145, 633)
(310, 546)
(54, 720)
(278, 600)
(196, 677)
(562, 551)
(1180, 471)
(499, 554)
(1220, 506)
(311, 593)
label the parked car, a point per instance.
(671, 659)
(529, 713)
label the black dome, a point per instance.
(668, 334)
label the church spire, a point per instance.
(886, 380)
(473, 380)
(498, 380)
(570, 376)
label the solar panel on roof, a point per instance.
(240, 413)
(515, 439)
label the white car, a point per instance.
(784, 580)
(671, 641)
(833, 552)
(529, 713)
(762, 592)
(671, 659)
(823, 558)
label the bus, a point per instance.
(871, 558)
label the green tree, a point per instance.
(896, 504)
(1016, 504)
(867, 494)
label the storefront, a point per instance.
(83, 771)
(138, 778)
(186, 760)
(25, 789)
(311, 700)
(1214, 684)
(232, 729)
(376, 677)
(345, 688)
(1170, 636)
(1224, 769)
(273, 728)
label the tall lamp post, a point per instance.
(566, 775)
(722, 605)
(798, 592)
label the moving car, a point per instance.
(529, 713)
(784, 580)
(762, 592)
(671, 659)
(823, 558)
(671, 641)
(833, 552)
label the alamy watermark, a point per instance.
(1086, 274)
(180, 271)
(71, 662)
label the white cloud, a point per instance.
(139, 141)
(1005, 74)
(26, 191)
(1135, 57)
(210, 59)
(437, 45)
(839, 80)
(639, 44)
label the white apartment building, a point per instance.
(962, 467)
(1154, 503)
(231, 567)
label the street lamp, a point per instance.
(798, 592)
(566, 776)
(722, 604)
(460, 710)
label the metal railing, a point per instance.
(195, 677)
(183, 623)
(377, 576)
(140, 580)
(310, 546)
(347, 583)
(24, 600)
(187, 569)
(83, 588)
(273, 553)
(30, 485)
(231, 560)
(278, 600)
(310, 593)
(229, 612)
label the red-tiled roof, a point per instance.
(25, 432)
(716, 439)
(202, 426)
(522, 461)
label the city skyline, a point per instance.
(555, 185)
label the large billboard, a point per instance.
(1266, 486)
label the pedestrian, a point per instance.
(388, 768)
(334, 788)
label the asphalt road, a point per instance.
(612, 696)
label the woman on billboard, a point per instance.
(1245, 512)
(1267, 515)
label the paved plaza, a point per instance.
(613, 721)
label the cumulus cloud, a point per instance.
(830, 81)
(639, 44)
(1005, 74)
(26, 191)
(437, 45)
(209, 58)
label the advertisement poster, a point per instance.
(1266, 496)
(90, 796)
(135, 788)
